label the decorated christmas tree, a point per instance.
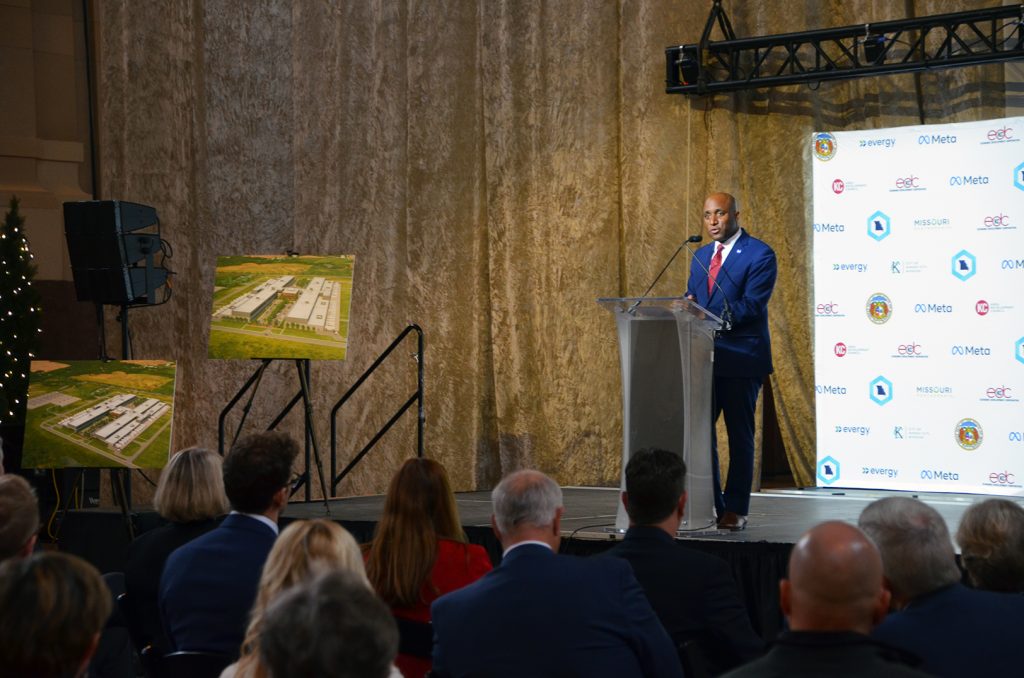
(19, 316)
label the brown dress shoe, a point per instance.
(732, 521)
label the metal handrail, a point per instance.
(416, 397)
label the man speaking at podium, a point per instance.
(733, 277)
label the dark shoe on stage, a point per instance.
(732, 521)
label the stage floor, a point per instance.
(776, 516)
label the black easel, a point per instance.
(252, 385)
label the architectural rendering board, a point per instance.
(280, 306)
(90, 413)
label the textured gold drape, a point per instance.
(494, 165)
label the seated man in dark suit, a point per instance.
(541, 614)
(209, 585)
(693, 593)
(832, 598)
(955, 630)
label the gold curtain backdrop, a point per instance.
(494, 166)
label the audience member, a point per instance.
(833, 596)
(991, 538)
(693, 593)
(953, 629)
(542, 614)
(52, 608)
(190, 495)
(419, 551)
(19, 517)
(304, 548)
(331, 627)
(209, 585)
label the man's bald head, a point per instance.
(835, 581)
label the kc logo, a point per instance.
(838, 186)
(981, 307)
(839, 349)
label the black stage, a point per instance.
(756, 555)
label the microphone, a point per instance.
(692, 238)
(726, 310)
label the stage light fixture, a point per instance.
(688, 64)
(874, 48)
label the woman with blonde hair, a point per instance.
(190, 496)
(991, 538)
(419, 552)
(304, 549)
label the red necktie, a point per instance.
(716, 263)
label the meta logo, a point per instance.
(964, 265)
(981, 307)
(937, 139)
(829, 309)
(879, 226)
(968, 434)
(968, 180)
(936, 474)
(829, 389)
(933, 308)
(829, 228)
(1016, 437)
(828, 470)
(1012, 264)
(969, 350)
(1000, 135)
(838, 186)
(839, 349)
(881, 390)
(999, 394)
(909, 183)
(997, 222)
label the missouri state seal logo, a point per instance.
(968, 434)
(825, 146)
(879, 308)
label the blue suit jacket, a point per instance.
(541, 614)
(209, 585)
(746, 279)
(693, 594)
(957, 631)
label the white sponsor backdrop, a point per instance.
(919, 307)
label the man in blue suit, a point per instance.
(693, 593)
(209, 585)
(541, 614)
(733, 277)
(954, 630)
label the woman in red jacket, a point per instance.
(419, 552)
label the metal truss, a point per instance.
(942, 41)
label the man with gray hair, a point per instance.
(19, 517)
(953, 629)
(541, 614)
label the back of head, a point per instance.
(991, 538)
(655, 480)
(834, 581)
(912, 537)
(19, 515)
(191, 487)
(52, 608)
(525, 498)
(256, 468)
(331, 627)
(418, 509)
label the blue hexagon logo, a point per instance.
(1018, 176)
(881, 390)
(1018, 349)
(828, 470)
(964, 265)
(879, 226)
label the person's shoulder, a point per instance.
(748, 240)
